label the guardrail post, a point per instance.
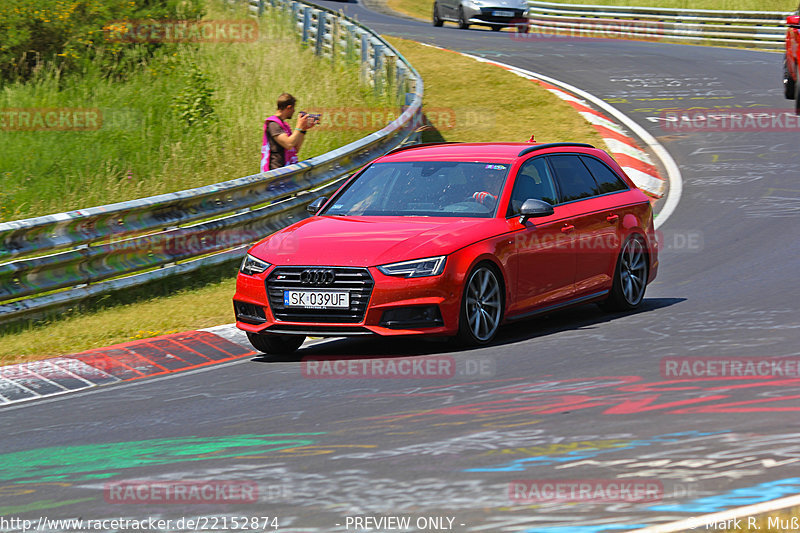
(295, 15)
(390, 67)
(378, 72)
(350, 49)
(335, 36)
(401, 73)
(306, 23)
(321, 29)
(364, 57)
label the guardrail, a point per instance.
(56, 260)
(761, 29)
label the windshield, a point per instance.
(430, 188)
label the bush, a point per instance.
(69, 33)
(194, 104)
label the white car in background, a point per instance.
(496, 14)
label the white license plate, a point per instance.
(316, 299)
(503, 13)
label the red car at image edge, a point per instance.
(452, 239)
(791, 60)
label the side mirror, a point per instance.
(533, 208)
(793, 20)
(314, 206)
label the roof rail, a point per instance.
(550, 145)
(419, 145)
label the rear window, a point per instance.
(574, 180)
(607, 180)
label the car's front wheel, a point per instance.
(462, 19)
(788, 81)
(481, 306)
(797, 98)
(275, 344)
(437, 20)
(630, 276)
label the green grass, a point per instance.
(207, 306)
(423, 9)
(517, 108)
(143, 147)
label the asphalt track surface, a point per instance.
(577, 395)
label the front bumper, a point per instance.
(496, 16)
(393, 306)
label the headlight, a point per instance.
(252, 265)
(418, 268)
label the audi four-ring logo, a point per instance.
(317, 277)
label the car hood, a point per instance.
(372, 241)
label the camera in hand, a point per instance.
(314, 117)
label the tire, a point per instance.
(462, 20)
(788, 81)
(482, 306)
(275, 344)
(496, 28)
(437, 20)
(630, 277)
(523, 28)
(797, 98)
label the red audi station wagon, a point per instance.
(452, 239)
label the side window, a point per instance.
(533, 181)
(607, 180)
(574, 180)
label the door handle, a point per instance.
(612, 218)
(567, 228)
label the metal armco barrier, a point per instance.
(56, 260)
(759, 29)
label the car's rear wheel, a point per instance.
(481, 306)
(497, 28)
(630, 276)
(788, 81)
(462, 19)
(275, 344)
(437, 20)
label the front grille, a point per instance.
(356, 281)
(487, 14)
